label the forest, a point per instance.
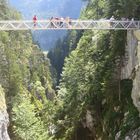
(75, 91)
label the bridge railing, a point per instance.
(73, 24)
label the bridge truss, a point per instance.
(73, 24)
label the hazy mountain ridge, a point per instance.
(45, 9)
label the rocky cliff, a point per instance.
(131, 67)
(131, 70)
(4, 120)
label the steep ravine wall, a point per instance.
(131, 70)
(4, 119)
(131, 67)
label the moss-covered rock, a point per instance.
(4, 119)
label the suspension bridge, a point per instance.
(69, 25)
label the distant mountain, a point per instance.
(45, 9)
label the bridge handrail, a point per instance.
(45, 21)
(69, 24)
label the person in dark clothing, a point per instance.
(68, 21)
(52, 22)
(34, 20)
(61, 21)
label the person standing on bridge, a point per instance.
(61, 22)
(34, 20)
(68, 22)
(52, 22)
(112, 21)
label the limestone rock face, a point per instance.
(130, 60)
(137, 34)
(4, 119)
(134, 135)
(136, 89)
(131, 67)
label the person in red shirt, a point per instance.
(34, 20)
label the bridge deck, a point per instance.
(74, 24)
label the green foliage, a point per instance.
(26, 78)
(61, 51)
(27, 124)
(95, 9)
(131, 119)
(123, 8)
(91, 80)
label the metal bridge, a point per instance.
(69, 25)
